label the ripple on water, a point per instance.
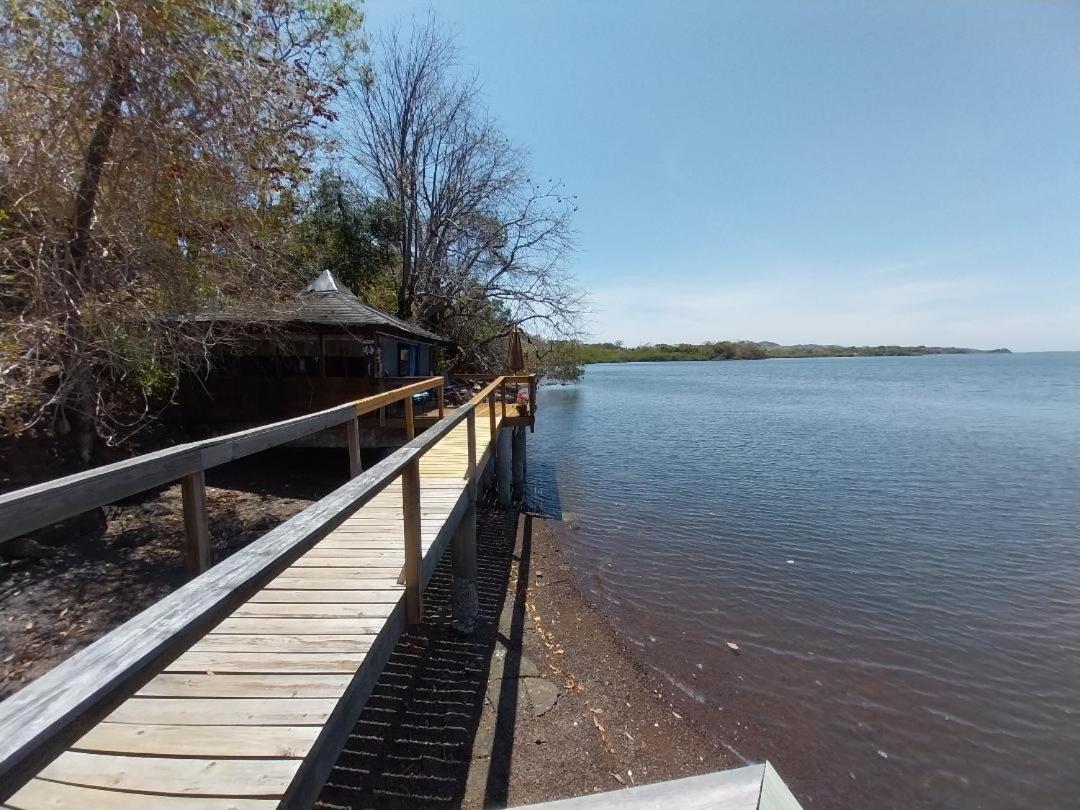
(891, 541)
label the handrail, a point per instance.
(44, 504)
(52, 712)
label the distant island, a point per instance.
(751, 350)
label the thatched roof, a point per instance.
(325, 302)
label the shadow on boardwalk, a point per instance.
(413, 743)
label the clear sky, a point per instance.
(826, 171)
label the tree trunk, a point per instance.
(80, 402)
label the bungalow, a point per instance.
(324, 346)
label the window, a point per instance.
(406, 353)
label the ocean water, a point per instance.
(893, 544)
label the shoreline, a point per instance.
(616, 723)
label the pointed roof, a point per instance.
(325, 301)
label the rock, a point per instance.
(543, 695)
(25, 548)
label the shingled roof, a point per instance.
(328, 302)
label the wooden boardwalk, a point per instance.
(230, 721)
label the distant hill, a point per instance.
(751, 350)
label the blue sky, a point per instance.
(829, 171)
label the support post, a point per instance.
(518, 465)
(532, 403)
(502, 469)
(410, 493)
(352, 428)
(502, 398)
(410, 423)
(491, 424)
(465, 603)
(196, 529)
(440, 395)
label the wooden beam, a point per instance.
(410, 491)
(352, 430)
(196, 524)
(405, 392)
(440, 395)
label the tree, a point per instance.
(482, 246)
(342, 230)
(146, 148)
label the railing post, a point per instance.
(352, 428)
(465, 603)
(381, 386)
(502, 396)
(196, 529)
(440, 395)
(410, 494)
(410, 423)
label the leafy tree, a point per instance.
(354, 237)
(145, 148)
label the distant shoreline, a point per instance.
(749, 350)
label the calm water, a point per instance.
(894, 543)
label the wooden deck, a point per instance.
(231, 722)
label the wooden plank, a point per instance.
(264, 778)
(278, 742)
(292, 627)
(297, 581)
(352, 610)
(196, 529)
(302, 643)
(322, 596)
(401, 393)
(40, 794)
(372, 573)
(374, 558)
(316, 767)
(222, 712)
(223, 449)
(223, 684)
(30, 508)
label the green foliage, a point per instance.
(746, 350)
(722, 350)
(342, 230)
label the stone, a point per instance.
(543, 695)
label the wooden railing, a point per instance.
(53, 711)
(517, 381)
(31, 508)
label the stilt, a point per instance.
(464, 601)
(503, 476)
(519, 463)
